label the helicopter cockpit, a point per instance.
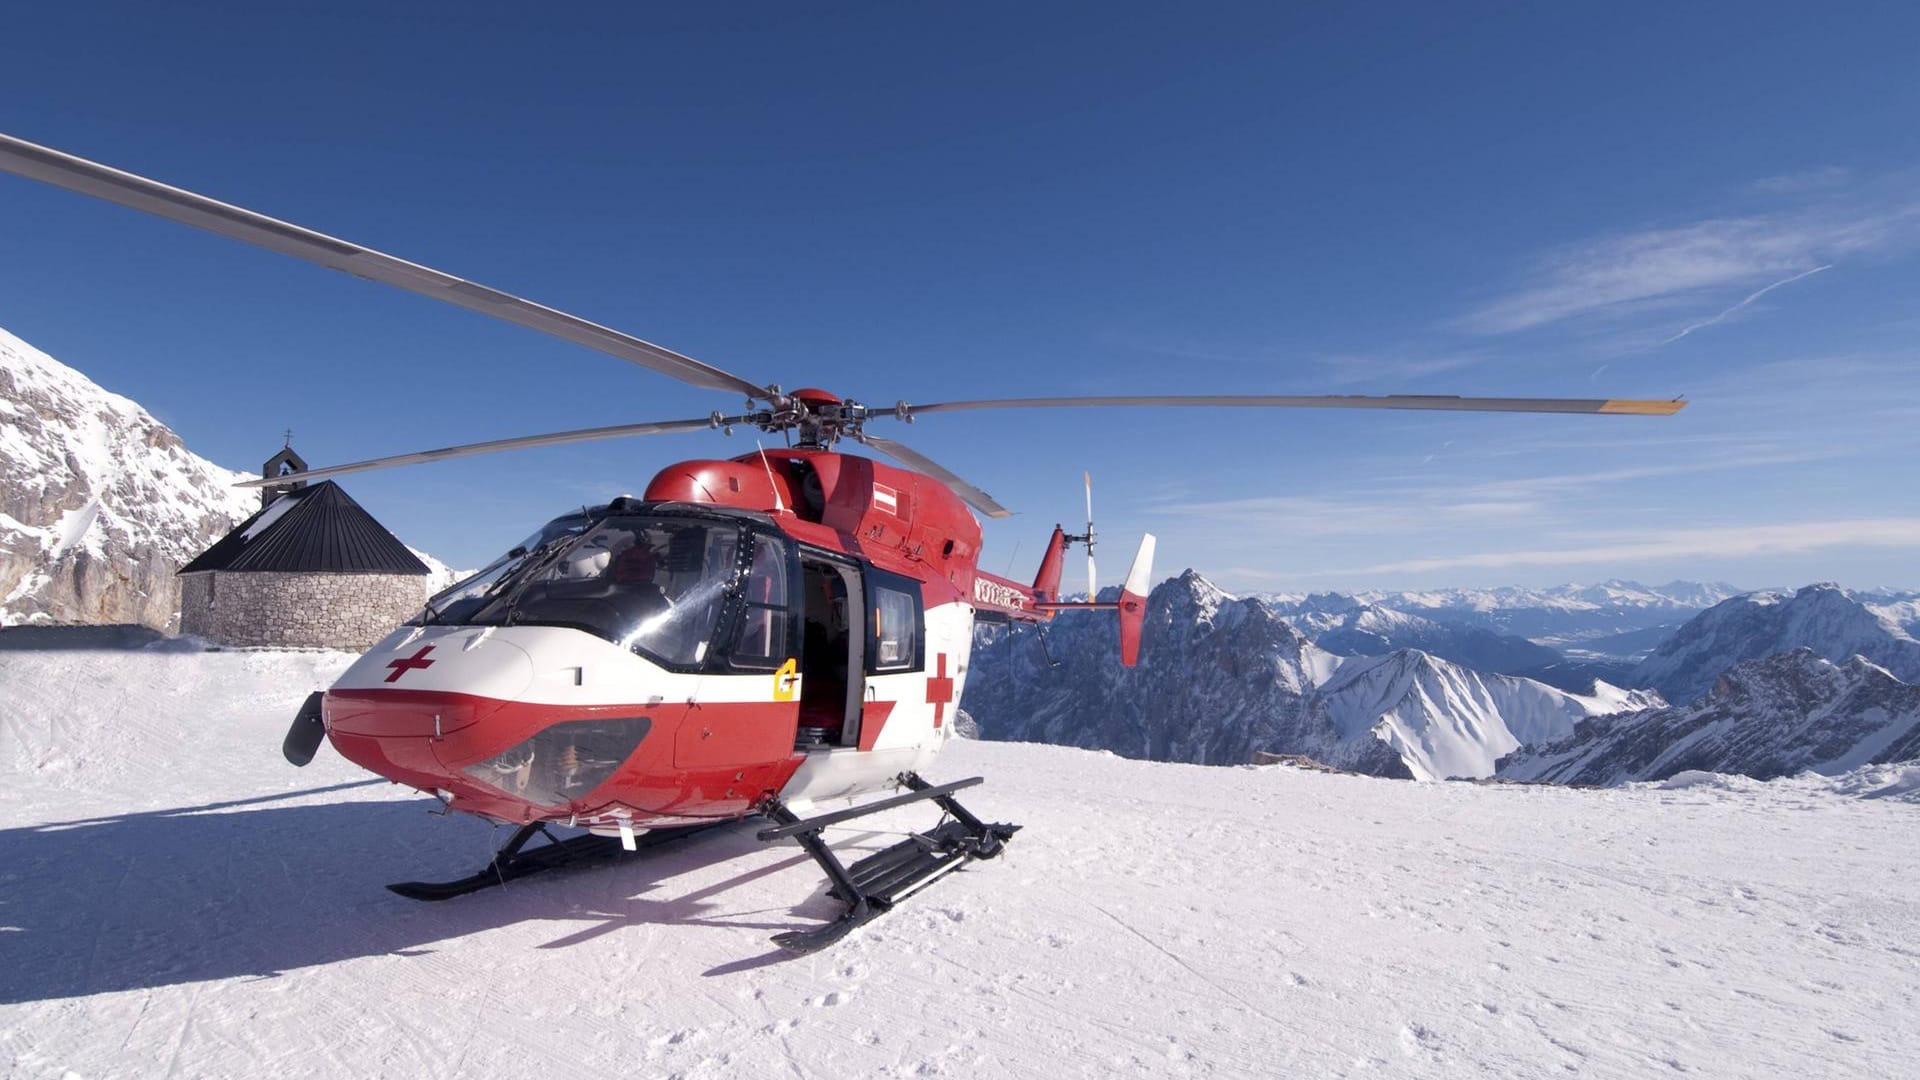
(658, 584)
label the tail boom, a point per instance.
(1000, 599)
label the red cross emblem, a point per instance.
(405, 664)
(940, 691)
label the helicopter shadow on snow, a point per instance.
(160, 898)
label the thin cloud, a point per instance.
(1830, 176)
(1293, 515)
(1750, 299)
(1514, 496)
(1535, 486)
(1732, 542)
(1658, 268)
(1349, 369)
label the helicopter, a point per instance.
(753, 635)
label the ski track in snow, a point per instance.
(177, 901)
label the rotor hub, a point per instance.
(814, 397)
(820, 417)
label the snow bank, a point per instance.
(1900, 782)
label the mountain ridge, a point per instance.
(1823, 617)
(1763, 718)
(1266, 687)
(99, 501)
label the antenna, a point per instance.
(777, 507)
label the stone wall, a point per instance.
(336, 611)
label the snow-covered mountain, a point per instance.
(439, 574)
(1221, 677)
(1560, 616)
(1375, 630)
(1903, 611)
(1764, 718)
(1445, 720)
(1613, 593)
(99, 502)
(1825, 618)
(1218, 679)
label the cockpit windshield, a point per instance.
(457, 603)
(653, 585)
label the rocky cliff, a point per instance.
(1764, 718)
(99, 502)
(1829, 620)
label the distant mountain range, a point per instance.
(1764, 718)
(1827, 619)
(1374, 630)
(1601, 630)
(1574, 618)
(1221, 677)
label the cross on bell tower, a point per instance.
(284, 463)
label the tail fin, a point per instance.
(1046, 583)
(1133, 601)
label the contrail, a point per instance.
(1744, 303)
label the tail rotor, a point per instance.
(1086, 538)
(1093, 589)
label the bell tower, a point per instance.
(284, 463)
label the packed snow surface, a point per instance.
(176, 900)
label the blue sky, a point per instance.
(921, 202)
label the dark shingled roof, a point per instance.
(314, 529)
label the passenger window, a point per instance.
(896, 629)
(763, 642)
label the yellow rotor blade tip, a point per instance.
(1643, 408)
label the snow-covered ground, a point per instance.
(175, 900)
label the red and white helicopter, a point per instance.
(753, 635)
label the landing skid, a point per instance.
(872, 886)
(514, 861)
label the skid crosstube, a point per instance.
(871, 886)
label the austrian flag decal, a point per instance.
(886, 498)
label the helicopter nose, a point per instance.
(418, 686)
(396, 728)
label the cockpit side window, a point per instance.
(764, 639)
(896, 635)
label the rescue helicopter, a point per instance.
(754, 635)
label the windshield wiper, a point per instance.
(537, 560)
(434, 612)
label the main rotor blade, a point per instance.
(912, 458)
(1437, 402)
(103, 182)
(619, 431)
